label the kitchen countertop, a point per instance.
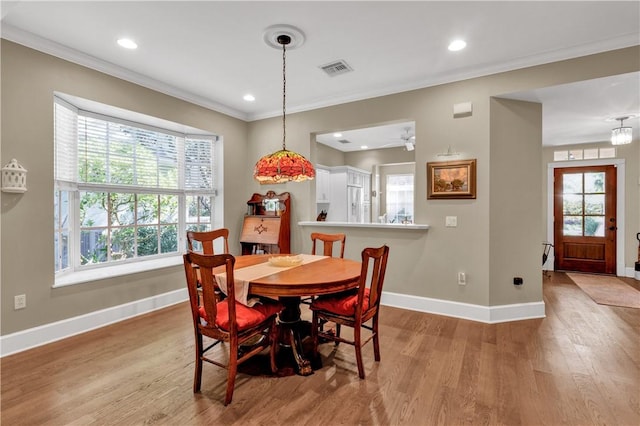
(408, 226)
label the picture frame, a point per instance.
(451, 179)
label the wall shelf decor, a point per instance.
(14, 177)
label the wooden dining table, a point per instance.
(324, 276)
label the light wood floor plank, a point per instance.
(578, 366)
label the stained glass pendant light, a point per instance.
(621, 135)
(283, 165)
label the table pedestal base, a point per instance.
(293, 331)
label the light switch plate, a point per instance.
(451, 221)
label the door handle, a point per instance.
(612, 228)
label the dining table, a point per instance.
(314, 276)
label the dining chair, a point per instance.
(328, 243)
(354, 308)
(204, 241)
(226, 320)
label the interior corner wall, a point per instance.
(515, 222)
(29, 80)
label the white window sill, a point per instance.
(116, 271)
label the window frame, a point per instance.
(75, 271)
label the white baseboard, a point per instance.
(486, 314)
(41, 335)
(630, 272)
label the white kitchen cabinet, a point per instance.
(323, 185)
(348, 186)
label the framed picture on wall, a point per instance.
(451, 179)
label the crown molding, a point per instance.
(465, 74)
(49, 47)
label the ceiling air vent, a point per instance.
(336, 68)
(344, 141)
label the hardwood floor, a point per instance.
(578, 366)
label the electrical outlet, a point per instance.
(20, 301)
(462, 278)
(518, 281)
(451, 221)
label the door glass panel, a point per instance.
(594, 226)
(572, 204)
(572, 183)
(594, 183)
(594, 204)
(572, 225)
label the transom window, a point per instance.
(126, 191)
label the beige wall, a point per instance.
(421, 263)
(29, 79)
(489, 245)
(515, 223)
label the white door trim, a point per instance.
(619, 163)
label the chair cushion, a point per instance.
(246, 317)
(343, 304)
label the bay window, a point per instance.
(127, 191)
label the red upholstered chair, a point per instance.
(226, 320)
(354, 308)
(203, 242)
(328, 243)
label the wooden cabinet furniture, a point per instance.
(267, 225)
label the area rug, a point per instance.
(607, 290)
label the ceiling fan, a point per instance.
(408, 139)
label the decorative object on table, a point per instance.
(622, 135)
(354, 309)
(451, 179)
(267, 229)
(227, 321)
(14, 177)
(322, 216)
(285, 261)
(283, 165)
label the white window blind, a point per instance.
(65, 140)
(130, 189)
(100, 150)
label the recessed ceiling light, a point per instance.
(249, 97)
(337, 135)
(127, 43)
(364, 147)
(457, 45)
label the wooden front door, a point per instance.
(585, 219)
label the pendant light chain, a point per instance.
(284, 95)
(283, 166)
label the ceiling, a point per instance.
(212, 53)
